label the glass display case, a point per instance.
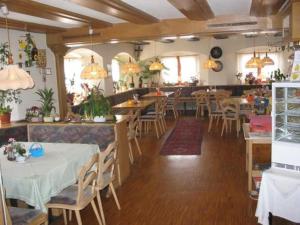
(286, 124)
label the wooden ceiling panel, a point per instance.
(32, 27)
(118, 9)
(262, 8)
(194, 9)
(32, 8)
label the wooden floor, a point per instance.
(210, 189)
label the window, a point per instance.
(73, 68)
(265, 71)
(180, 68)
(115, 70)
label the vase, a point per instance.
(48, 119)
(99, 119)
(5, 118)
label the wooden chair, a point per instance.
(76, 197)
(201, 102)
(230, 112)
(172, 103)
(106, 174)
(157, 119)
(133, 128)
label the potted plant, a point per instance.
(5, 110)
(277, 75)
(34, 114)
(46, 98)
(96, 107)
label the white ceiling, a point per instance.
(160, 9)
(230, 7)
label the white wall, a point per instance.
(28, 97)
(202, 48)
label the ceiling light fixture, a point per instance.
(187, 36)
(267, 61)
(210, 64)
(93, 71)
(255, 61)
(156, 65)
(12, 77)
(170, 38)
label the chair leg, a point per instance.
(96, 212)
(224, 126)
(119, 173)
(70, 215)
(137, 145)
(218, 118)
(160, 126)
(115, 195)
(130, 152)
(157, 134)
(78, 217)
(101, 208)
(211, 118)
(65, 216)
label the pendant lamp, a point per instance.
(93, 71)
(12, 77)
(156, 65)
(131, 67)
(254, 62)
(210, 64)
(267, 61)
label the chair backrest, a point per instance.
(133, 124)
(230, 109)
(201, 97)
(4, 215)
(107, 160)
(87, 175)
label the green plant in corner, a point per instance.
(46, 98)
(277, 75)
(9, 96)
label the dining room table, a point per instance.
(160, 94)
(37, 179)
(133, 105)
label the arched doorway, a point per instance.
(74, 62)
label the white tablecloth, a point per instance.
(280, 195)
(38, 179)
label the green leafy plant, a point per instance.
(4, 53)
(47, 100)
(277, 75)
(96, 104)
(8, 97)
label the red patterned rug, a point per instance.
(185, 139)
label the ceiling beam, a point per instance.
(32, 8)
(32, 27)
(194, 9)
(262, 8)
(129, 31)
(118, 9)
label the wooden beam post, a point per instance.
(295, 21)
(59, 50)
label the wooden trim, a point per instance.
(295, 21)
(37, 9)
(129, 31)
(32, 27)
(265, 8)
(118, 9)
(194, 9)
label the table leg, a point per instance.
(247, 155)
(250, 166)
(270, 218)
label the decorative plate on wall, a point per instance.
(219, 66)
(216, 52)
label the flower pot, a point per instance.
(48, 119)
(5, 118)
(99, 119)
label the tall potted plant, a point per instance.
(47, 100)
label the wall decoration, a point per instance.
(29, 47)
(216, 52)
(219, 66)
(41, 60)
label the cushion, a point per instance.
(22, 216)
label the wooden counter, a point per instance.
(17, 131)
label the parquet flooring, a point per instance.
(210, 189)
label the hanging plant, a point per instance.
(29, 48)
(4, 53)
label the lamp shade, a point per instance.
(267, 61)
(93, 71)
(12, 77)
(254, 62)
(210, 64)
(131, 68)
(156, 65)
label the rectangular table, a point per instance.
(131, 106)
(280, 195)
(158, 95)
(38, 179)
(250, 140)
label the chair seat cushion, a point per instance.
(22, 216)
(68, 196)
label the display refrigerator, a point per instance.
(286, 125)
